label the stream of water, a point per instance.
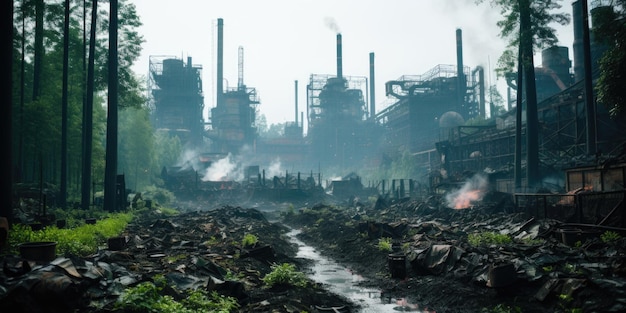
(340, 280)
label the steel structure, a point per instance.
(176, 98)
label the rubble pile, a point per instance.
(445, 267)
(194, 250)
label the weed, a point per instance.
(488, 238)
(285, 274)
(146, 297)
(384, 244)
(610, 236)
(249, 240)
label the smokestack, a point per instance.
(296, 90)
(220, 60)
(372, 87)
(459, 65)
(339, 61)
(577, 17)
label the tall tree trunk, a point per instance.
(518, 123)
(66, 53)
(20, 150)
(110, 173)
(39, 51)
(532, 120)
(88, 112)
(6, 108)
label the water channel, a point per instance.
(340, 280)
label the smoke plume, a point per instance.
(473, 190)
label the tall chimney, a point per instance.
(339, 61)
(577, 17)
(372, 87)
(459, 65)
(296, 90)
(220, 60)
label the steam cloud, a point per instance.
(473, 190)
(332, 24)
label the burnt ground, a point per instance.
(442, 272)
(535, 272)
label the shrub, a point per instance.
(610, 236)
(285, 274)
(384, 244)
(488, 238)
(249, 240)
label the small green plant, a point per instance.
(147, 297)
(384, 244)
(249, 240)
(285, 274)
(548, 268)
(488, 238)
(610, 236)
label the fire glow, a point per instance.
(472, 191)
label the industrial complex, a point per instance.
(439, 118)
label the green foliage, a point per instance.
(609, 29)
(147, 297)
(39, 117)
(81, 240)
(162, 196)
(285, 274)
(384, 244)
(544, 13)
(249, 240)
(610, 236)
(488, 238)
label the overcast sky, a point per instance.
(288, 40)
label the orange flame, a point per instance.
(464, 199)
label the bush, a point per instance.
(146, 297)
(285, 274)
(384, 244)
(488, 238)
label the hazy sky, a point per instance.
(288, 40)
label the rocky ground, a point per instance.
(442, 269)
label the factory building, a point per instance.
(428, 119)
(563, 127)
(176, 98)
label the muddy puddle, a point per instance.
(340, 280)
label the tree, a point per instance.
(6, 55)
(110, 171)
(611, 31)
(526, 25)
(40, 130)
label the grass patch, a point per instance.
(82, 240)
(488, 239)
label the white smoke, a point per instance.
(225, 169)
(275, 168)
(473, 190)
(332, 24)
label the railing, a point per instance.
(601, 208)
